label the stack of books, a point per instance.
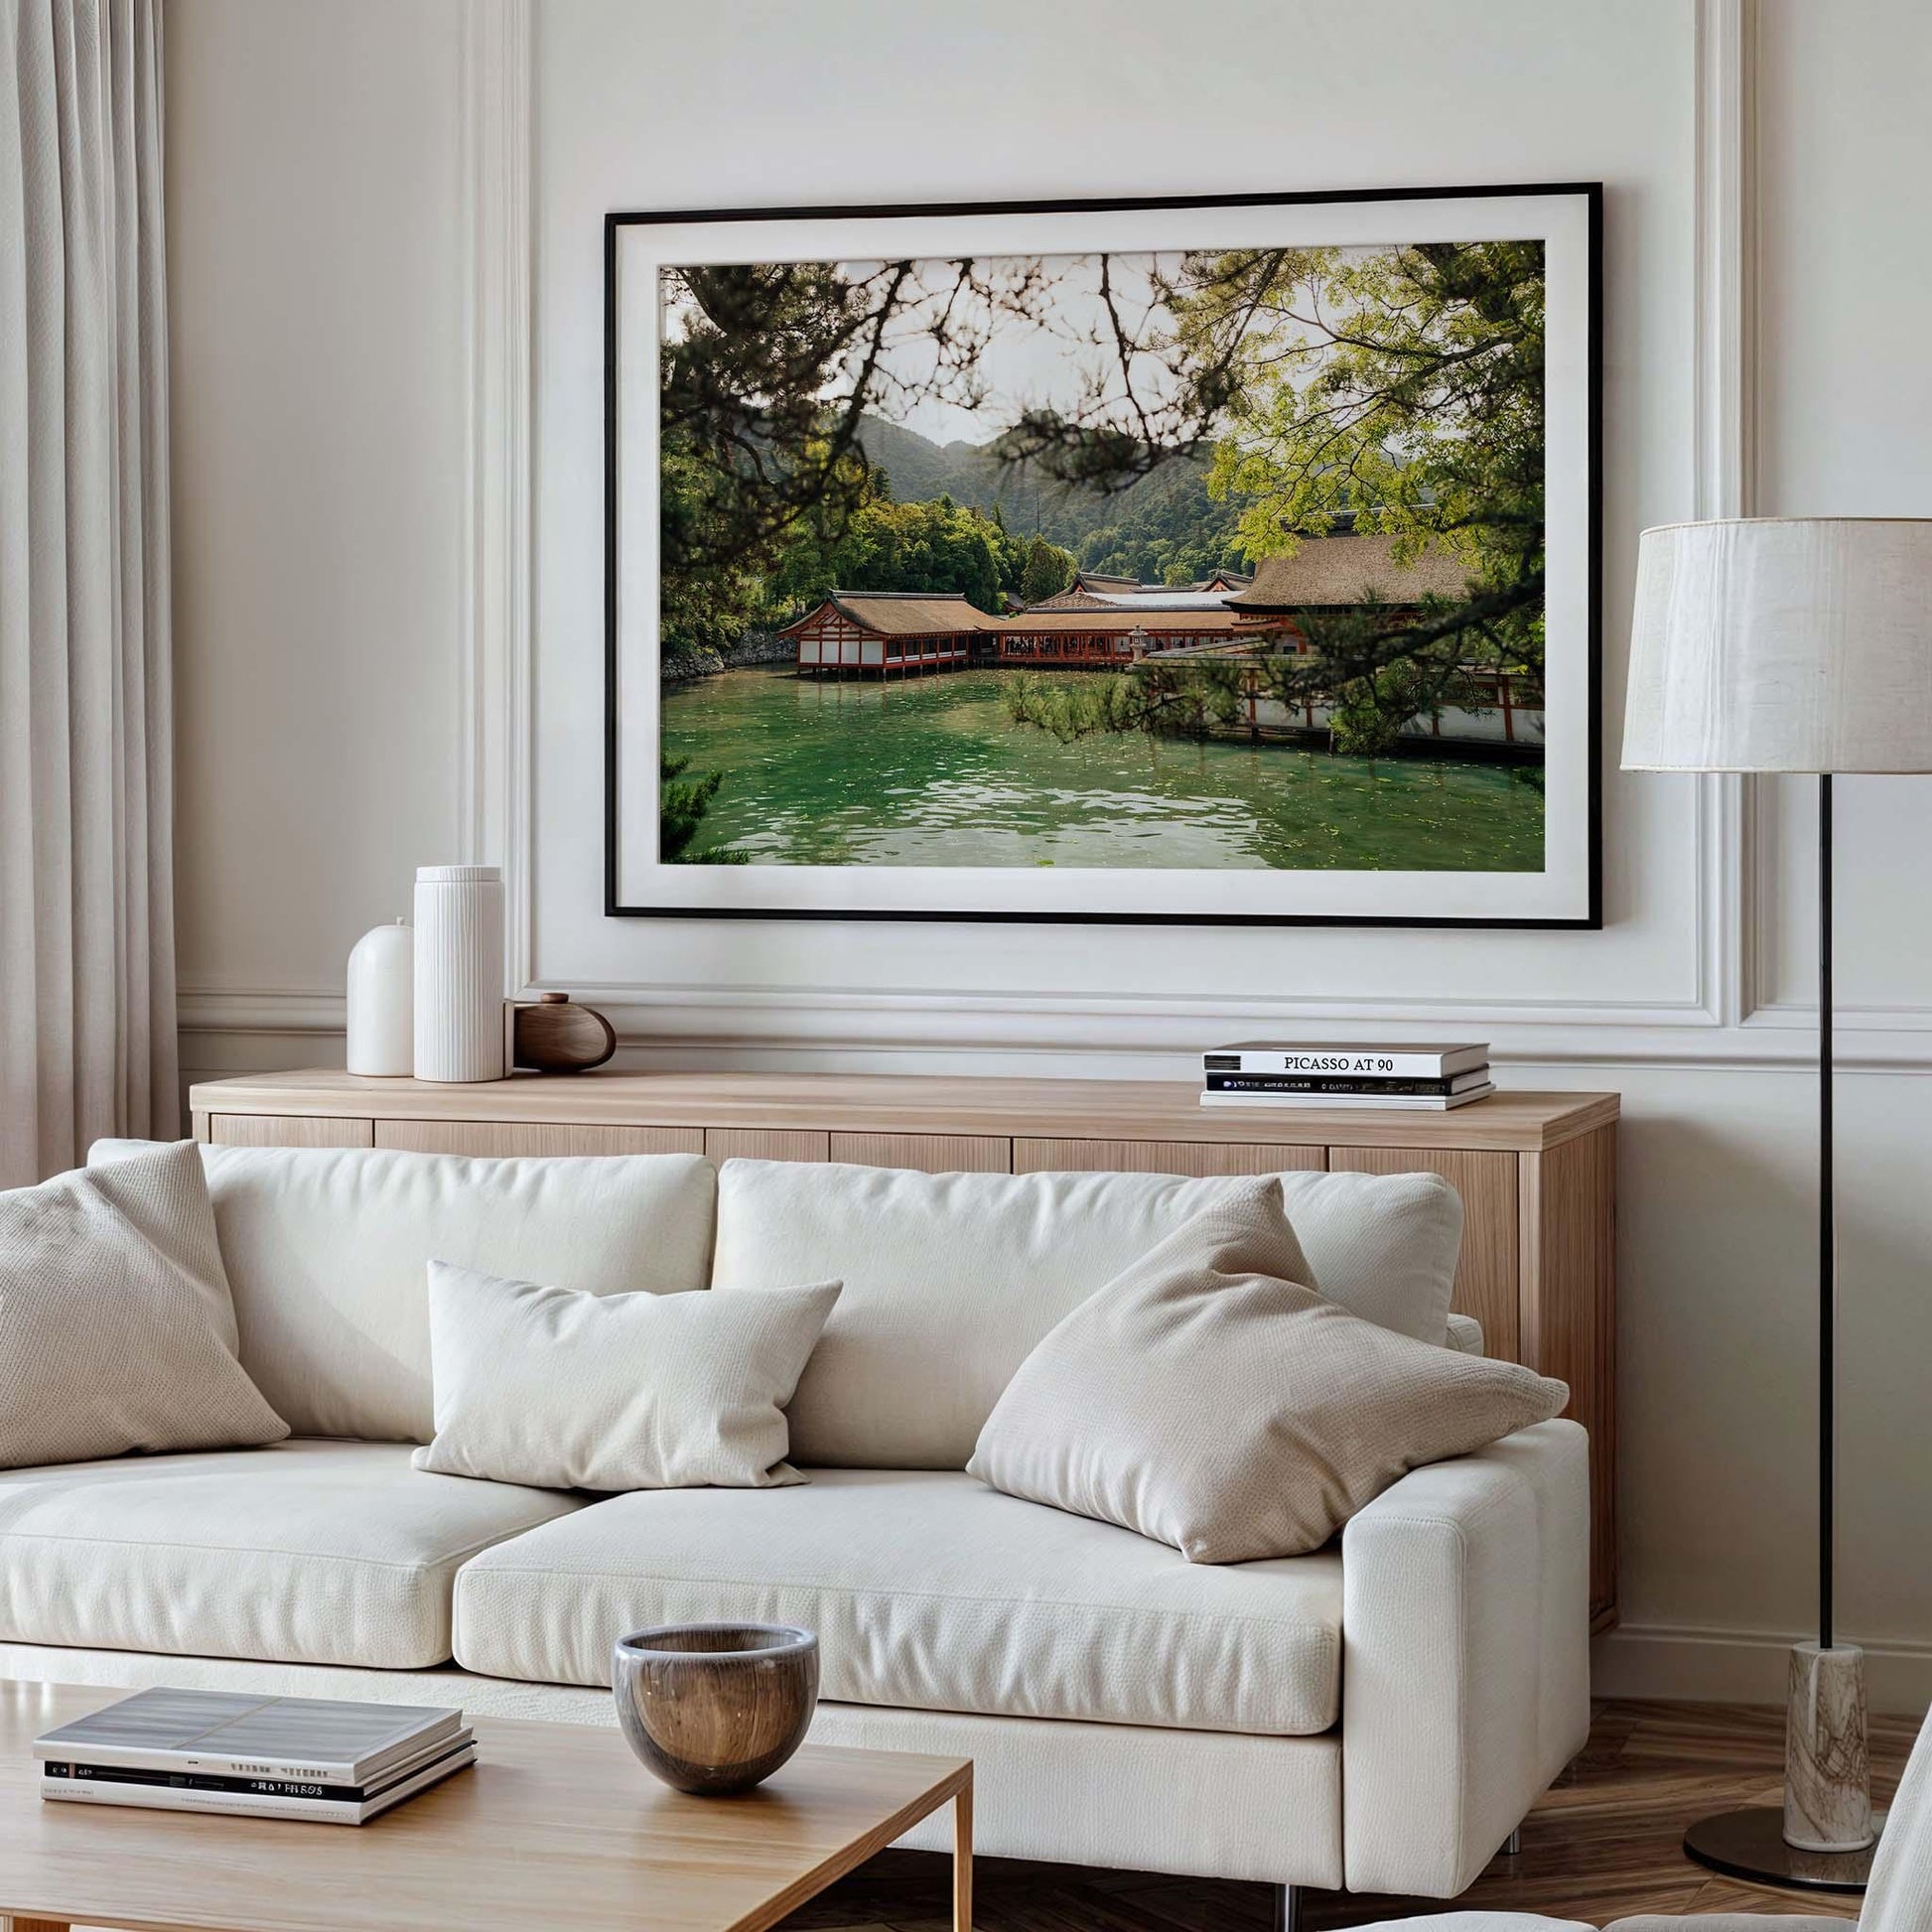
(260, 1757)
(1423, 1079)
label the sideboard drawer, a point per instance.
(513, 1136)
(289, 1130)
(1163, 1157)
(767, 1144)
(928, 1153)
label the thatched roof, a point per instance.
(1342, 571)
(903, 613)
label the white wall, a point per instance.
(321, 547)
(315, 345)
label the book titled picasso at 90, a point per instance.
(1347, 1060)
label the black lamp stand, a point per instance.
(1751, 1844)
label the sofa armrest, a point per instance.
(1465, 1657)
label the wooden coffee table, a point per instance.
(556, 1825)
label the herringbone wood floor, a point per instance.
(1602, 1843)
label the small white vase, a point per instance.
(459, 973)
(382, 1001)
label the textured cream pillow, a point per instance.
(1206, 1399)
(117, 1328)
(562, 1389)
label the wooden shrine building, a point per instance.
(1107, 623)
(900, 634)
(1112, 635)
(887, 633)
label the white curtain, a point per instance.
(87, 871)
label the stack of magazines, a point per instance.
(1423, 1079)
(260, 1757)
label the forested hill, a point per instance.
(1165, 527)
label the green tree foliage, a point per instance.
(1163, 528)
(681, 806)
(1162, 700)
(1048, 570)
(748, 448)
(888, 546)
(1367, 713)
(1368, 670)
(1401, 389)
(708, 594)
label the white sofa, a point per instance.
(1378, 1715)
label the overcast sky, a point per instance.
(1028, 363)
(1047, 353)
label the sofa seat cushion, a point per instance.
(309, 1552)
(928, 1591)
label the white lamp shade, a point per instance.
(1782, 644)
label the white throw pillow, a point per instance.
(559, 1389)
(328, 1251)
(950, 1279)
(117, 1328)
(1206, 1399)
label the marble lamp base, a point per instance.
(1827, 1764)
(1823, 1837)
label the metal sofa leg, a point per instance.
(1288, 1908)
(1513, 1843)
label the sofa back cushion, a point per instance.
(950, 1280)
(327, 1253)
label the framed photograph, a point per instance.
(1131, 561)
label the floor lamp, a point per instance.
(1793, 644)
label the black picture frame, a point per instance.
(1592, 193)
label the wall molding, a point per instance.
(764, 1029)
(1723, 1666)
(1771, 1014)
(1725, 461)
(668, 1019)
(494, 769)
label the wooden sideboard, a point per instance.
(1537, 1172)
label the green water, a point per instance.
(932, 772)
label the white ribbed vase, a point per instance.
(459, 973)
